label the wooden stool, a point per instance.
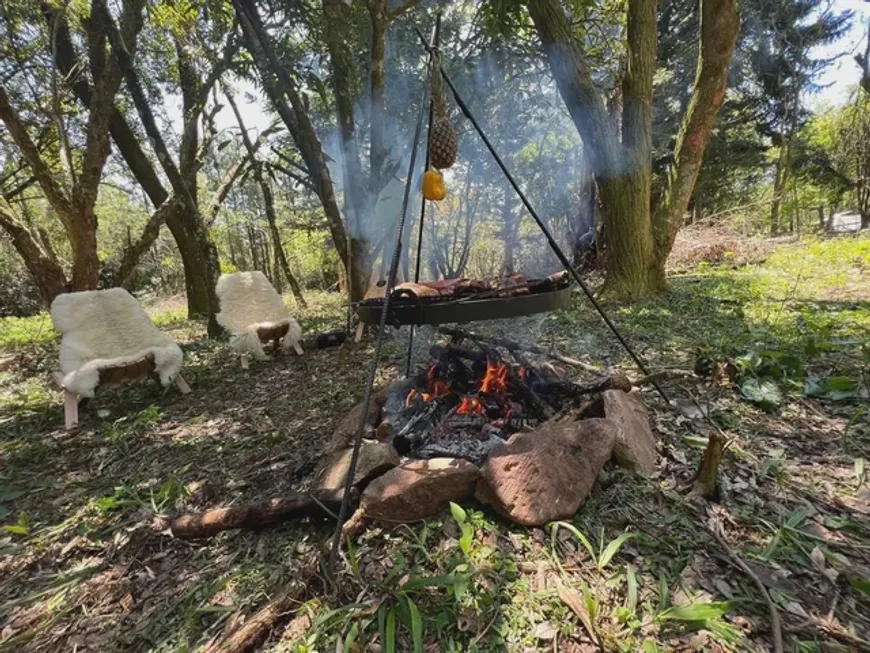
(272, 334)
(114, 377)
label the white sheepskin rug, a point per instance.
(107, 328)
(248, 303)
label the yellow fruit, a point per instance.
(433, 186)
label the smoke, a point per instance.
(516, 102)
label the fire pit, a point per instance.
(479, 417)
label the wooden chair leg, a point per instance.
(182, 385)
(70, 409)
(297, 348)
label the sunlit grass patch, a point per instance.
(19, 332)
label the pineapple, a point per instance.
(443, 142)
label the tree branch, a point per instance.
(102, 102)
(295, 176)
(54, 191)
(224, 188)
(143, 106)
(401, 9)
(133, 253)
(49, 276)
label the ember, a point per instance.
(470, 405)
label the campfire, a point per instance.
(468, 401)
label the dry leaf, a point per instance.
(797, 609)
(818, 559)
(545, 631)
(575, 602)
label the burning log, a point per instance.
(256, 515)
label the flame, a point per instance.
(495, 380)
(469, 406)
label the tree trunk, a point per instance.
(636, 254)
(630, 259)
(719, 27)
(278, 85)
(281, 264)
(46, 272)
(780, 178)
(378, 153)
(83, 242)
(510, 223)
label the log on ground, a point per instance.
(257, 515)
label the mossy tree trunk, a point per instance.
(638, 237)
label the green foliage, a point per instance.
(765, 393)
(20, 332)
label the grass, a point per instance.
(83, 559)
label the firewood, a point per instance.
(256, 515)
(254, 630)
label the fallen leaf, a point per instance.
(818, 559)
(723, 588)
(770, 578)
(127, 602)
(796, 608)
(545, 631)
(575, 602)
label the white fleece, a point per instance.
(249, 302)
(107, 328)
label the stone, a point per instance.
(375, 458)
(635, 444)
(418, 489)
(345, 432)
(546, 474)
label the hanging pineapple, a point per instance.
(442, 137)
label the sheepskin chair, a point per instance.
(108, 339)
(254, 313)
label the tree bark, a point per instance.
(377, 151)
(510, 223)
(779, 182)
(359, 197)
(637, 240)
(719, 27)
